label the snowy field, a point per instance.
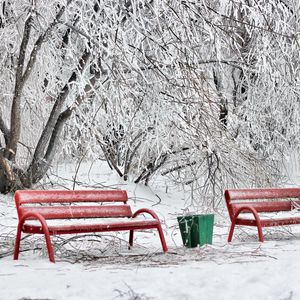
(101, 266)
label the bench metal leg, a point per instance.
(259, 230)
(256, 217)
(17, 243)
(260, 233)
(44, 229)
(130, 239)
(231, 232)
(162, 239)
(49, 246)
(161, 236)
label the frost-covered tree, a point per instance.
(204, 92)
(43, 65)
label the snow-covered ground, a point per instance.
(101, 266)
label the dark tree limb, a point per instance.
(37, 170)
(56, 110)
(38, 44)
(48, 142)
(151, 168)
(15, 123)
(4, 130)
(177, 168)
(22, 76)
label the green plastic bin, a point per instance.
(196, 229)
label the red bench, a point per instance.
(41, 206)
(262, 204)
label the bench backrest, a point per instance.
(262, 199)
(64, 204)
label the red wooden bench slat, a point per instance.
(261, 200)
(269, 222)
(73, 212)
(41, 206)
(59, 196)
(263, 193)
(264, 206)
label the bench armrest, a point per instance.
(247, 209)
(147, 211)
(256, 217)
(32, 216)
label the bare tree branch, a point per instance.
(4, 130)
(15, 122)
(48, 142)
(41, 39)
(21, 77)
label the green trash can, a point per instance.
(196, 229)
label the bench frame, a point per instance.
(35, 211)
(260, 200)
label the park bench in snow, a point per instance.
(107, 209)
(262, 208)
